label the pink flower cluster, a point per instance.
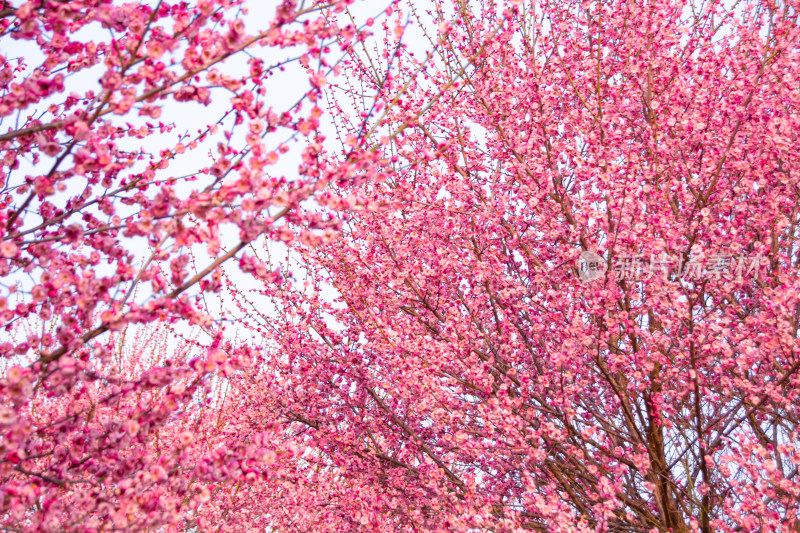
(360, 311)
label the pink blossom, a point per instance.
(8, 249)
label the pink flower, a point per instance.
(7, 416)
(318, 80)
(14, 374)
(257, 126)
(155, 50)
(8, 249)
(269, 457)
(132, 427)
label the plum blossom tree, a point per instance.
(546, 281)
(123, 447)
(469, 374)
(115, 223)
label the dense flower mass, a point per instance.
(491, 266)
(116, 220)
